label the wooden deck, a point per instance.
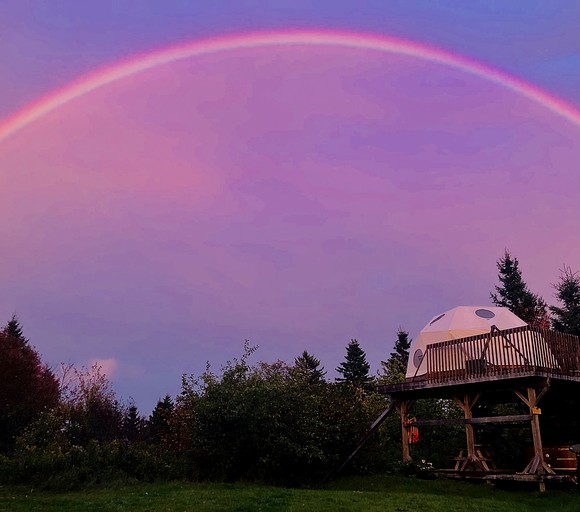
(524, 354)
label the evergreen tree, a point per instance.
(395, 368)
(307, 369)
(354, 369)
(133, 424)
(567, 318)
(515, 295)
(27, 387)
(158, 422)
(14, 329)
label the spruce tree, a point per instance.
(133, 424)
(515, 295)
(14, 329)
(395, 368)
(307, 368)
(567, 317)
(354, 369)
(158, 423)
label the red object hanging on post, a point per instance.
(413, 431)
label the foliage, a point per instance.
(14, 329)
(45, 456)
(566, 318)
(133, 424)
(86, 438)
(437, 443)
(267, 422)
(90, 406)
(513, 293)
(27, 386)
(395, 368)
(354, 369)
(158, 424)
(307, 368)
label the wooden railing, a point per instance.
(512, 352)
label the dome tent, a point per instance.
(459, 322)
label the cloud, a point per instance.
(108, 366)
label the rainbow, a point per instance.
(137, 64)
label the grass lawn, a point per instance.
(368, 494)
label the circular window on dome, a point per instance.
(437, 318)
(417, 357)
(485, 313)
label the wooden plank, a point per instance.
(458, 460)
(517, 418)
(519, 477)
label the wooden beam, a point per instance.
(475, 421)
(459, 402)
(543, 391)
(474, 400)
(522, 398)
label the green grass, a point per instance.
(368, 494)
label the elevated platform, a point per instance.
(521, 365)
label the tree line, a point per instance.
(273, 422)
(513, 293)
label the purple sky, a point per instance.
(298, 196)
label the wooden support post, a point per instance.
(537, 438)
(469, 433)
(537, 466)
(404, 412)
(472, 460)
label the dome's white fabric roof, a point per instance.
(459, 322)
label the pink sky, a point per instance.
(296, 196)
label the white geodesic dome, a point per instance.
(459, 322)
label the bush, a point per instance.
(268, 423)
(45, 458)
